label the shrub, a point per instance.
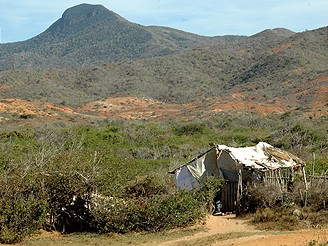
(48, 166)
(279, 210)
(67, 215)
(153, 209)
(189, 129)
(20, 215)
(261, 196)
(277, 218)
(146, 187)
(207, 191)
(317, 243)
(156, 213)
(318, 198)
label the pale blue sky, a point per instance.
(24, 19)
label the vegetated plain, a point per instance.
(57, 139)
(44, 166)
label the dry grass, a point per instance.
(186, 236)
(110, 239)
(289, 219)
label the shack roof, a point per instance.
(262, 156)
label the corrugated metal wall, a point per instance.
(229, 196)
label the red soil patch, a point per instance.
(131, 108)
(320, 79)
(6, 87)
(281, 47)
(297, 238)
(244, 106)
(22, 107)
(37, 110)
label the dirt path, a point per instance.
(217, 231)
(244, 234)
(298, 238)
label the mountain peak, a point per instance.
(77, 17)
(278, 32)
(83, 11)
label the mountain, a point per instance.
(93, 35)
(93, 61)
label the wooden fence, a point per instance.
(319, 181)
(282, 178)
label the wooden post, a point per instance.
(290, 185)
(239, 191)
(306, 187)
(281, 181)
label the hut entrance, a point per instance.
(229, 196)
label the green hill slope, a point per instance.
(276, 70)
(93, 35)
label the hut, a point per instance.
(239, 167)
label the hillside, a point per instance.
(274, 71)
(93, 35)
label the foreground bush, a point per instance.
(154, 213)
(20, 216)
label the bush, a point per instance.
(317, 243)
(274, 209)
(263, 196)
(155, 212)
(207, 191)
(147, 187)
(67, 194)
(189, 129)
(277, 218)
(318, 198)
(20, 215)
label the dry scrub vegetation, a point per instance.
(126, 163)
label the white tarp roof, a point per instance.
(262, 156)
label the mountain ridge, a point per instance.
(276, 68)
(93, 35)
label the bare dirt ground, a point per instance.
(133, 108)
(217, 231)
(218, 225)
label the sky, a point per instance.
(24, 19)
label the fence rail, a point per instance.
(318, 181)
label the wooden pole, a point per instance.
(239, 191)
(306, 187)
